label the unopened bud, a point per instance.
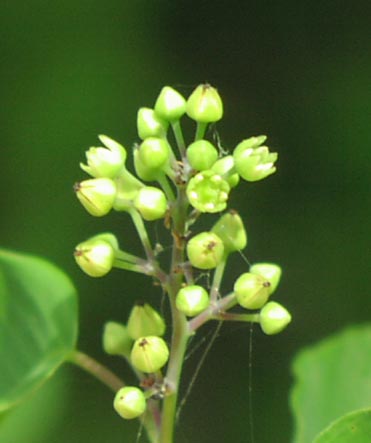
(116, 339)
(205, 105)
(145, 321)
(205, 250)
(170, 105)
(129, 402)
(252, 291)
(149, 354)
(274, 318)
(96, 195)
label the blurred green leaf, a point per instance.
(351, 428)
(38, 323)
(332, 378)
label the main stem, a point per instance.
(180, 330)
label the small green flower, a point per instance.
(252, 161)
(96, 256)
(105, 162)
(97, 195)
(151, 203)
(129, 402)
(127, 186)
(116, 339)
(252, 291)
(144, 321)
(149, 354)
(149, 124)
(170, 104)
(151, 158)
(274, 318)
(201, 155)
(225, 168)
(230, 229)
(205, 105)
(208, 192)
(270, 272)
(205, 250)
(192, 300)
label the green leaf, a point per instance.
(332, 378)
(38, 323)
(351, 428)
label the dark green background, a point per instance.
(297, 71)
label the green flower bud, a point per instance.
(143, 321)
(205, 250)
(225, 167)
(96, 255)
(170, 105)
(208, 192)
(116, 339)
(274, 318)
(149, 124)
(201, 155)
(230, 229)
(252, 291)
(152, 158)
(149, 354)
(151, 203)
(205, 105)
(270, 272)
(141, 170)
(129, 402)
(128, 187)
(97, 195)
(252, 161)
(191, 300)
(103, 162)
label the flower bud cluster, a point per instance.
(177, 185)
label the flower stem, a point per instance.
(107, 377)
(179, 137)
(230, 316)
(217, 279)
(165, 185)
(96, 369)
(142, 232)
(200, 131)
(180, 332)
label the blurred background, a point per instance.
(297, 71)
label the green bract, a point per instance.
(205, 250)
(150, 124)
(270, 272)
(252, 291)
(230, 229)
(149, 354)
(274, 318)
(170, 105)
(208, 192)
(252, 161)
(129, 402)
(116, 339)
(205, 105)
(151, 203)
(105, 162)
(96, 195)
(144, 321)
(191, 300)
(201, 155)
(96, 255)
